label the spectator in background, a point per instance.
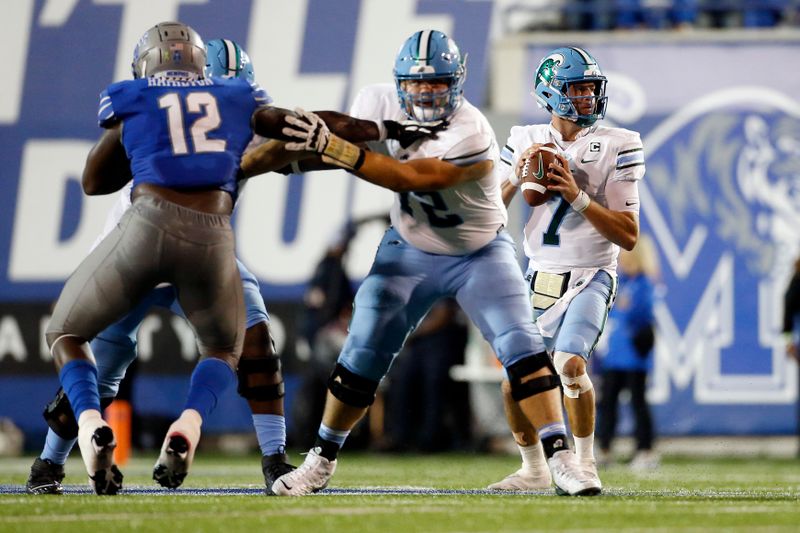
(426, 409)
(629, 356)
(791, 324)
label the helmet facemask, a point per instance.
(431, 56)
(428, 106)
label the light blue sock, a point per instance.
(57, 449)
(333, 435)
(271, 433)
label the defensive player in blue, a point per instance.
(447, 239)
(182, 142)
(259, 375)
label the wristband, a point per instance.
(513, 179)
(581, 202)
(343, 153)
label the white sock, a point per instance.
(533, 457)
(88, 414)
(584, 447)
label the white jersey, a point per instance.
(557, 238)
(453, 221)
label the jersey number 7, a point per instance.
(196, 102)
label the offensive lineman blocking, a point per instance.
(447, 239)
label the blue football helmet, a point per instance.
(169, 47)
(557, 71)
(226, 59)
(430, 55)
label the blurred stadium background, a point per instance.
(711, 85)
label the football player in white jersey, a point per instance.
(447, 239)
(572, 240)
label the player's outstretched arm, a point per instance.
(269, 121)
(312, 135)
(107, 166)
(429, 174)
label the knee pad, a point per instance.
(257, 378)
(522, 388)
(350, 388)
(573, 387)
(61, 419)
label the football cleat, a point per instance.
(96, 441)
(569, 476)
(274, 466)
(177, 452)
(311, 476)
(45, 477)
(589, 467)
(524, 479)
(173, 462)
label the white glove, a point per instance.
(309, 129)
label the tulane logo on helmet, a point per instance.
(226, 59)
(562, 68)
(431, 56)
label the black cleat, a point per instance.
(45, 477)
(274, 466)
(172, 465)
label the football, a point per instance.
(533, 174)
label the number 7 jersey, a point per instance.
(557, 238)
(453, 221)
(183, 133)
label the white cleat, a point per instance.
(96, 441)
(589, 467)
(177, 452)
(524, 479)
(311, 476)
(569, 476)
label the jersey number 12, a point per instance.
(196, 102)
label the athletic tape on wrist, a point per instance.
(581, 202)
(343, 153)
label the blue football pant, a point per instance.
(403, 284)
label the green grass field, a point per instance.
(683, 495)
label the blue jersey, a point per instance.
(183, 134)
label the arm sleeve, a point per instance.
(473, 149)
(623, 196)
(105, 111)
(630, 159)
(260, 95)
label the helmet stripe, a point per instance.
(589, 60)
(424, 44)
(231, 57)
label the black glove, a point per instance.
(643, 340)
(408, 132)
